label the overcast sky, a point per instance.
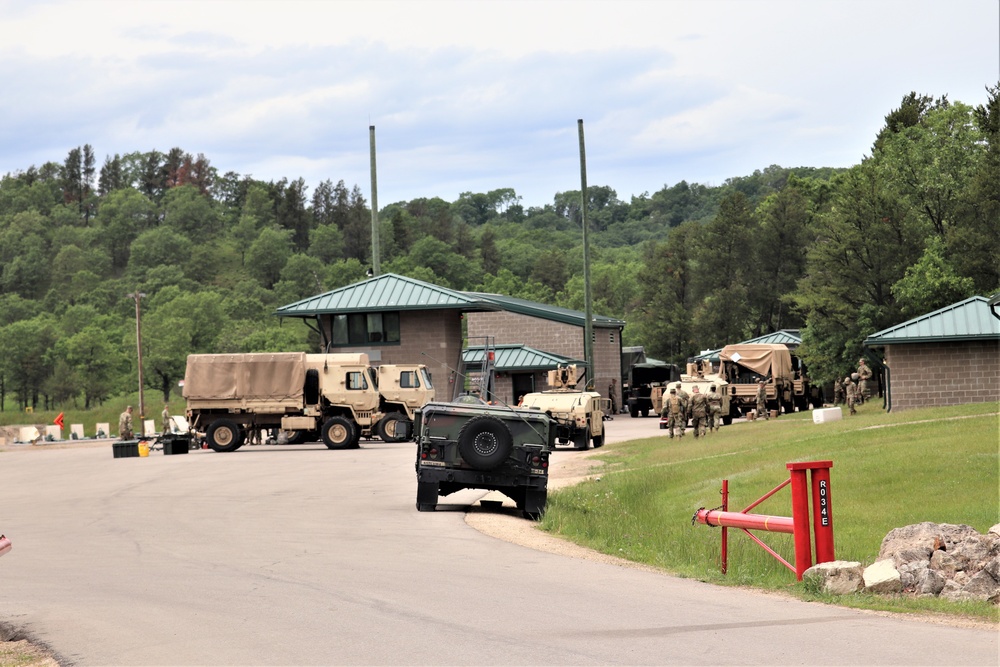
(478, 95)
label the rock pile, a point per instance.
(925, 559)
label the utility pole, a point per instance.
(137, 297)
(375, 242)
(588, 328)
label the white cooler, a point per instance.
(823, 415)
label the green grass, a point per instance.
(108, 412)
(889, 470)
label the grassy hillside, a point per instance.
(889, 470)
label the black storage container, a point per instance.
(126, 449)
(175, 443)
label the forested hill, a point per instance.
(837, 253)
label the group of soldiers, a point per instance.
(704, 410)
(852, 394)
(125, 429)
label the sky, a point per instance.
(473, 96)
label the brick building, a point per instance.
(400, 320)
(948, 357)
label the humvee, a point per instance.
(579, 415)
(467, 446)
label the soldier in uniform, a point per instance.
(864, 375)
(683, 395)
(699, 411)
(852, 394)
(762, 401)
(675, 410)
(125, 424)
(613, 395)
(714, 409)
(165, 420)
(839, 396)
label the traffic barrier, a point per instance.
(814, 475)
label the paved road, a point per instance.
(305, 556)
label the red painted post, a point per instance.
(800, 520)
(822, 513)
(725, 531)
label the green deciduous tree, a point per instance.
(268, 254)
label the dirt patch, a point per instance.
(17, 650)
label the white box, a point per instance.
(823, 415)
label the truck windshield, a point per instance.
(427, 378)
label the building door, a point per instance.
(522, 383)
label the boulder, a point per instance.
(980, 586)
(929, 583)
(918, 541)
(882, 577)
(836, 577)
(944, 563)
(910, 573)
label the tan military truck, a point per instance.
(403, 390)
(231, 397)
(744, 365)
(579, 415)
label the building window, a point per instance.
(365, 329)
(611, 336)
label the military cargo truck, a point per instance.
(467, 446)
(643, 378)
(744, 365)
(579, 415)
(232, 397)
(403, 389)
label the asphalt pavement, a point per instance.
(299, 555)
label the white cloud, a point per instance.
(485, 94)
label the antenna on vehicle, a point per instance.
(499, 400)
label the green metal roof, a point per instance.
(965, 320)
(509, 358)
(790, 337)
(385, 292)
(545, 311)
(393, 292)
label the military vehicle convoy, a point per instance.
(785, 380)
(468, 446)
(233, 397)
(579, 415)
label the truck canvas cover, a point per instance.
(274, 376)
(762, 358)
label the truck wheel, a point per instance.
(338, 433)
(394, 427)
(581, 439)
(427, 496)
(598, 441)
(727, 421)
(485, 442)
(633, 411)
(224, 435)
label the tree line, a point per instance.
(837, 253)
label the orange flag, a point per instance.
(58, 421)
